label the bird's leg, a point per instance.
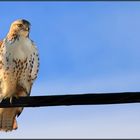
(11, 98)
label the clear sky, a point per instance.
(84, 47)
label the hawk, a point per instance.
(19, 64)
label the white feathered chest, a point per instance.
(20, 48)
(19, 62)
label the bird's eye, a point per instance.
(19, 25)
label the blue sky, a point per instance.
(84, 47)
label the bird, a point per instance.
(19, 66)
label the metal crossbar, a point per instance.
(74, 99)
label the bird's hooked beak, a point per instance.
(25, 28)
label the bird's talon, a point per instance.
(11, 99)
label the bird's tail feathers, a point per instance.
(8, 119)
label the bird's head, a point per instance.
(20, 27)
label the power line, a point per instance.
(76, 99)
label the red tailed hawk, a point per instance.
(19, 63)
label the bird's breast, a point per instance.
(20, 48)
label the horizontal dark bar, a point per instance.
(77, 99)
